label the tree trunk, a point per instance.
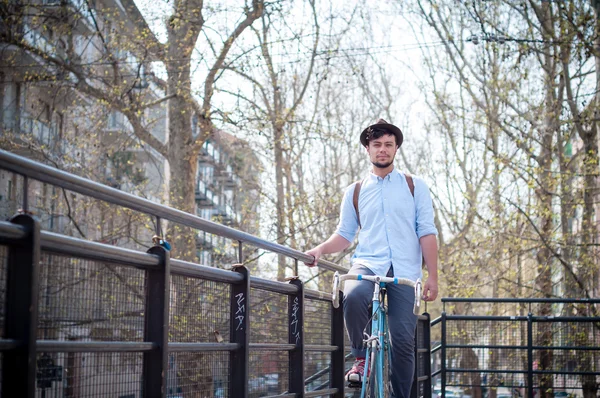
(183, 167)
(544, 256)
(589, 263)
(183, 162)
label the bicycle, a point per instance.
(377, 384)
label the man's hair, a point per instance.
(375, 133)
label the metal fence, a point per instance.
(517, 348)
(86, 319)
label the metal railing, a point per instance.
(158, 343)
(23, 371)
(517, 347)
(85, 318)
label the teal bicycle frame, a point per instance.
(378, 342)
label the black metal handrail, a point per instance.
(54, 176)
(26, 241)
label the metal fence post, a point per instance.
(156, 327)
(338, 357)
(530, 355)
(240, 334)
(21, 322)
(443, 354)
(296, 337)
(427, 345)
(414, 391)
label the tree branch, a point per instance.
(251, 16)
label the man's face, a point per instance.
(382, 150)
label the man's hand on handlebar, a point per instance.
(316, 254)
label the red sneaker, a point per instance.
(355, 374)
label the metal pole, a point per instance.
(21, 321)
(25, 194)
(414, 391)
(427, 344)
(240, 334)
(296, 337)
(443, 359)
(156, 328)
(337, 357)
(530, 354)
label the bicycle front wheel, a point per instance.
(371, 388)
(387, 374)
(378, 387)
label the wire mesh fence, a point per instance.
(82, 300)
(89, 300)
(519, 353)
(87, 374)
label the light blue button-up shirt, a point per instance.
(392, 224)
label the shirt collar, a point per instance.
(390, 176)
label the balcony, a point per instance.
(209, 154)
(227, 177)
(225, 214)
(42, 132)
(204, 240)
(204, 196)
(35, 38)
(76, 13)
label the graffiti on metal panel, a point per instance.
(240, 314)
(294, 322)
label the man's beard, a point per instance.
(380, 165)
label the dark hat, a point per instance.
(385, 126)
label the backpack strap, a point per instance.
(411, 184)
(409, 181)
(355, 200)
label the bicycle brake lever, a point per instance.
(418, 293)
(335, 299)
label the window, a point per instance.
(142, 80)
(113, 120)
(194, 124)
(10, 105)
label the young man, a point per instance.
(396, 232)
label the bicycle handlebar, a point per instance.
(337, 279)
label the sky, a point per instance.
(386, 33)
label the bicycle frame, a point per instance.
(377, 346)
(377, 343)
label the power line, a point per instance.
(329, 53)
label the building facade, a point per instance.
(47, 116)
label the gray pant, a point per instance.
(401, 322)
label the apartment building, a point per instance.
(45, 116)
(224, 196)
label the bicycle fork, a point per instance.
(375, 347)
